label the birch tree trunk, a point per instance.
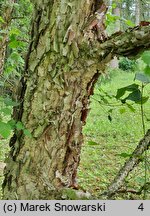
(63, 63)
(117, 12)
(137, 12)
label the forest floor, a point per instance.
(111, 134)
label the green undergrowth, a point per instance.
(3, 151)
(4, 147)
(108, 135)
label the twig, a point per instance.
(146, 186)
(133, 161)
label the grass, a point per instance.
(100, 161)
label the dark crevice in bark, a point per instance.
(36, 32)
(86, 98)
(98, 4)
(35, 36)
(131, 52)
(17, 116)
(70, 167)
(17, 136)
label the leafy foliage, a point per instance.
(7, 125)
(146, 57)
(18, 40)
(126, 64)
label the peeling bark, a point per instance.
(130, 43)
(60, 76)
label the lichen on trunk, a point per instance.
(58, 82)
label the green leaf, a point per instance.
(143, 100)
(19, 125)
(142, 77)
(122, 91)
(14, 44)
(27, 133)
(92, 143)
(114, 5)
(124, 155)
(12, 123)
(15, 31)
(146, 57)
(9, 69)
(129, 23)
(9, 102)
(134, 96)
(132, 109)
(147, 70)
(6, 111)
(5, 129)
(1, 37)
(111, 18)
(15, 56)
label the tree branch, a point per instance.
(130, 43)
(133, 161)
(145, 186)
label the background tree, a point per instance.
(116, 11)
(138, 12)
(6, 9)
(66, 56)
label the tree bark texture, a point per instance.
(63, 63)
(129, 43)
(7, 9)
(60, 74)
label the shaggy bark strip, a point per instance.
(133, 161)
(130, 43)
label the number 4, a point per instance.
(141, 207)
